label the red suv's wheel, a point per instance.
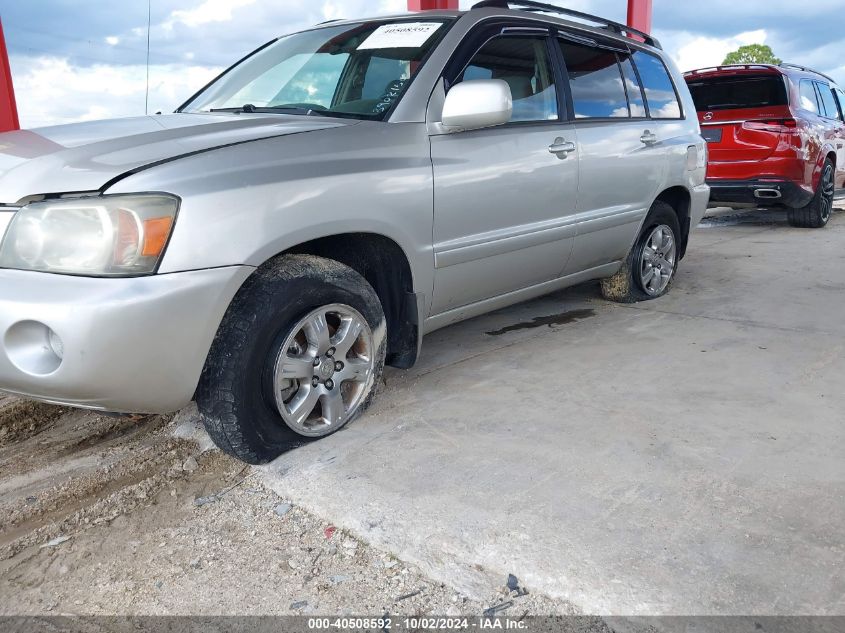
(817, 213)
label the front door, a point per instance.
(504, 197)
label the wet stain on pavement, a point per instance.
(745, 217)
(552, 320)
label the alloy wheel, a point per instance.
(828, 190)
(324, 370)
(657, 260)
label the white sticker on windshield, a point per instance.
(403, 35)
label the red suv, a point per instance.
(776, 136)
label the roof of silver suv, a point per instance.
(547, 13)
(540, 7)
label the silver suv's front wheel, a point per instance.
(324, 369)
(297, 357)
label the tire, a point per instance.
(633, 282)
(817, 213)
(252, 394)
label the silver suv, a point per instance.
(306, 217)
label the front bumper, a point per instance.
(759, 192)
(127, 345)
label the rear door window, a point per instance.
(660, 92)
(738, 93)
(595, 81)
(831, 111)
(807, 94)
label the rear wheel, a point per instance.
(297, 357)
(817, 213)
(650, 268)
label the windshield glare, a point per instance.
(357, 70)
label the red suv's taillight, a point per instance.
(778, 126)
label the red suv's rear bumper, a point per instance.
(790, 167)
(767, 191)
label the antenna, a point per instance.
(149, 26)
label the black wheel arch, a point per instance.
(680, 200)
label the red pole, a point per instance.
(639, 15)
(8, 107)
(427, 5)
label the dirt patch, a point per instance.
(105, 516)
(82, 469)
(247, 552)
(20, 419)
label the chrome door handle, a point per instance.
(561, 148)
(648, 138)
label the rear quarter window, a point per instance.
(737, 93)
(660, 94)
(807, 94)
(840, 97)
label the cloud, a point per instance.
(207, 12)
(698, 51)
(332, 11)
(51, 91)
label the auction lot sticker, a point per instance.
(402, 35)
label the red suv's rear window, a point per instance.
(735, 93)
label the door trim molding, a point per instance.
(503, 241)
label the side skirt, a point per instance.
(489, 305)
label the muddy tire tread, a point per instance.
(226, 415)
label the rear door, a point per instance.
(741, 115)
(622, 150)
(834, 128)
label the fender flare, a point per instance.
(826, 150)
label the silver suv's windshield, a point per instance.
(354, 70)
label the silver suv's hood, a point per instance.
(87, 156)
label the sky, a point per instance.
(75, 60)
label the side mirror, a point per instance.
(478, 103)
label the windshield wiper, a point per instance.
(291, 109)
(248, 108)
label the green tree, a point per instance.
(752, 54)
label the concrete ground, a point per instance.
(681, 456)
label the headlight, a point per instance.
(114, 236)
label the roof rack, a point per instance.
(540, 7)
(728, 67)
(805, 69)
(710, 69)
